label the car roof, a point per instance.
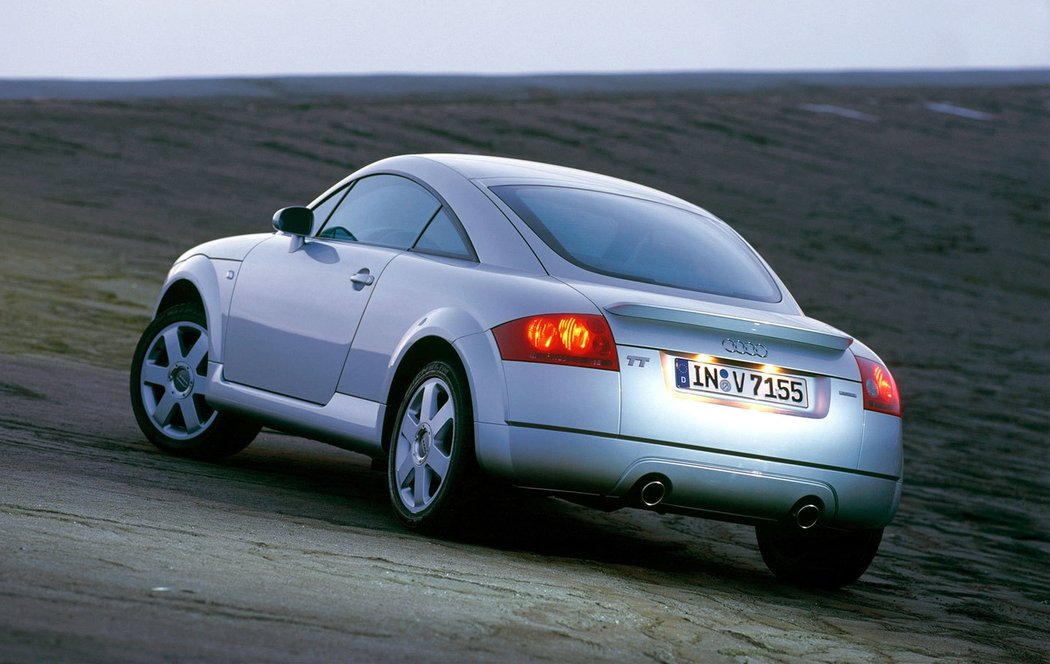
(506, 171)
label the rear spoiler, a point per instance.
(780, 331)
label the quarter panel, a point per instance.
(557, 396)
(881, 449)
(421, 295)
(489, 395)
(488, 385)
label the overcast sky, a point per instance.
(118, 39)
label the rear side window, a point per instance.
(382, 209)
(642, 241)
(444, 237)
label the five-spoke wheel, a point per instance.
(172, 378)
(430, 448)
(168, 383)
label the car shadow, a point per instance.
(308, 479)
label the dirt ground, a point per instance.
(918, 219)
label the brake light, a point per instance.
(579, 340)
(880, 390)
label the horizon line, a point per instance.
(534, 74)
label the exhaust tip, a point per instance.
(808, 515)
(653, 493)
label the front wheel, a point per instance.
(168, 379)
(431, 462)
(822, 558)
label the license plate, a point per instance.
(738, 383)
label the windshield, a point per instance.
(642, 240)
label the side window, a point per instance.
(382, 209)
(443, 236)
(326, 206)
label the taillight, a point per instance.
(579, 340)
(880, 390)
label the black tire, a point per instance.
(167, 390)
(431, 470)
(821, 558)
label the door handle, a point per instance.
(363, 278)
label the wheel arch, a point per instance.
(194, 281)
(181, 291)
(422, 352)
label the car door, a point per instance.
(295, 311)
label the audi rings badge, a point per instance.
(744, 347)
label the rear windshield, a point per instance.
(642, 241)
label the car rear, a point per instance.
(732, 404)
(749, 426)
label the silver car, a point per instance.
(454, 316)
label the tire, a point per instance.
(821, 558)
(431, 470)
(168, 383)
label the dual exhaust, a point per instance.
(806, 514)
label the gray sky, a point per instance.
(120, 39)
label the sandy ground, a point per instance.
(923, 232)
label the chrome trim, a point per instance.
(744, 347)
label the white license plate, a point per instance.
(738, 383)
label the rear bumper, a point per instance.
(709, 482)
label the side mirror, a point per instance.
(294, 220)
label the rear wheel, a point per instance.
(168, 381)
(431, 464)
(819, 557)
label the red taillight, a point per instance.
(880, 390)
(579, 340)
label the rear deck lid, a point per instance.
(764, 325)
(764, 334)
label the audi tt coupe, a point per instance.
(458, 316)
